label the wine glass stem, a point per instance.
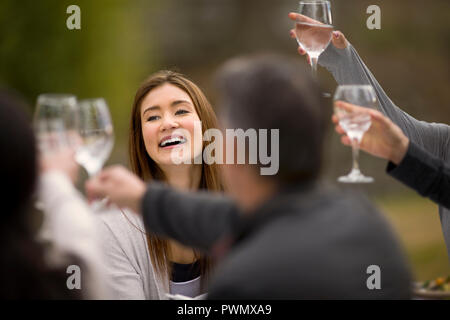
(355, 153)
(314, 61)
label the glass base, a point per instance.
(355, 177)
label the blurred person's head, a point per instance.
(273, 92)
(18, 162)
(165, 103)
(24, 272)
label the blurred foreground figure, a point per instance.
(408, 162)
(283, 236)
(25, 273)
(36, 265)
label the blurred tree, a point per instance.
(108, 57)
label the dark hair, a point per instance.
(24, 272)
(18, 162)
(276, 92)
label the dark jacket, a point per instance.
(305, 243)
(425, 173)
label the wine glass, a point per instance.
(355, 124)
(96, 131)
(314, 29)
(56, 124)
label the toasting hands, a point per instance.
(384, 139)
(119, 186)
(62, 161)
(338, 39)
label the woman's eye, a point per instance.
(152, 118)
(181, 111)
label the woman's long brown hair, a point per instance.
(143, 166)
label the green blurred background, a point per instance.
(122, 41)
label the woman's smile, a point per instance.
(172, 141)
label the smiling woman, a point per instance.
(163, 110)
(142, 265)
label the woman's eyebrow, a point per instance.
(150, 109)
(173, 104)
(177, 102)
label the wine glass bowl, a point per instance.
(313, 28)
(56, 122)
(96, 132)
(355, 123)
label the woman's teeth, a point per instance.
(172, 141)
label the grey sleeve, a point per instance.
(123, 282)
(347, 67)
(194, 219)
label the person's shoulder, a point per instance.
(349, 202)
(121, 223)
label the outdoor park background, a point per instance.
(122, 42)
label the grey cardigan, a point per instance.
(348, 68)
(129, 271)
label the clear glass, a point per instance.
(355, 124)
(315, 29)
(56, 122)
(96, 132)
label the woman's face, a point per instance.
(168, 117)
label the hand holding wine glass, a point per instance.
(313, 28)
(61, 161)
(338, 39)
(355, 123)
(384, 138)
(96, 131)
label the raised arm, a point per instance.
(408, 163)
(346, 66)
(194, 219)
(68, 222)
(431, 176)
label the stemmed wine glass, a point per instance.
(314, 29)
(56, 124)
(355, 124)
(96, 132)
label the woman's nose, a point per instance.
(169, 123)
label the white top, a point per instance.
(71, 227)
(191, 288)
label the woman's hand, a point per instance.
(119, 186)
(338, 39)
(62, 161)
(384, 139)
